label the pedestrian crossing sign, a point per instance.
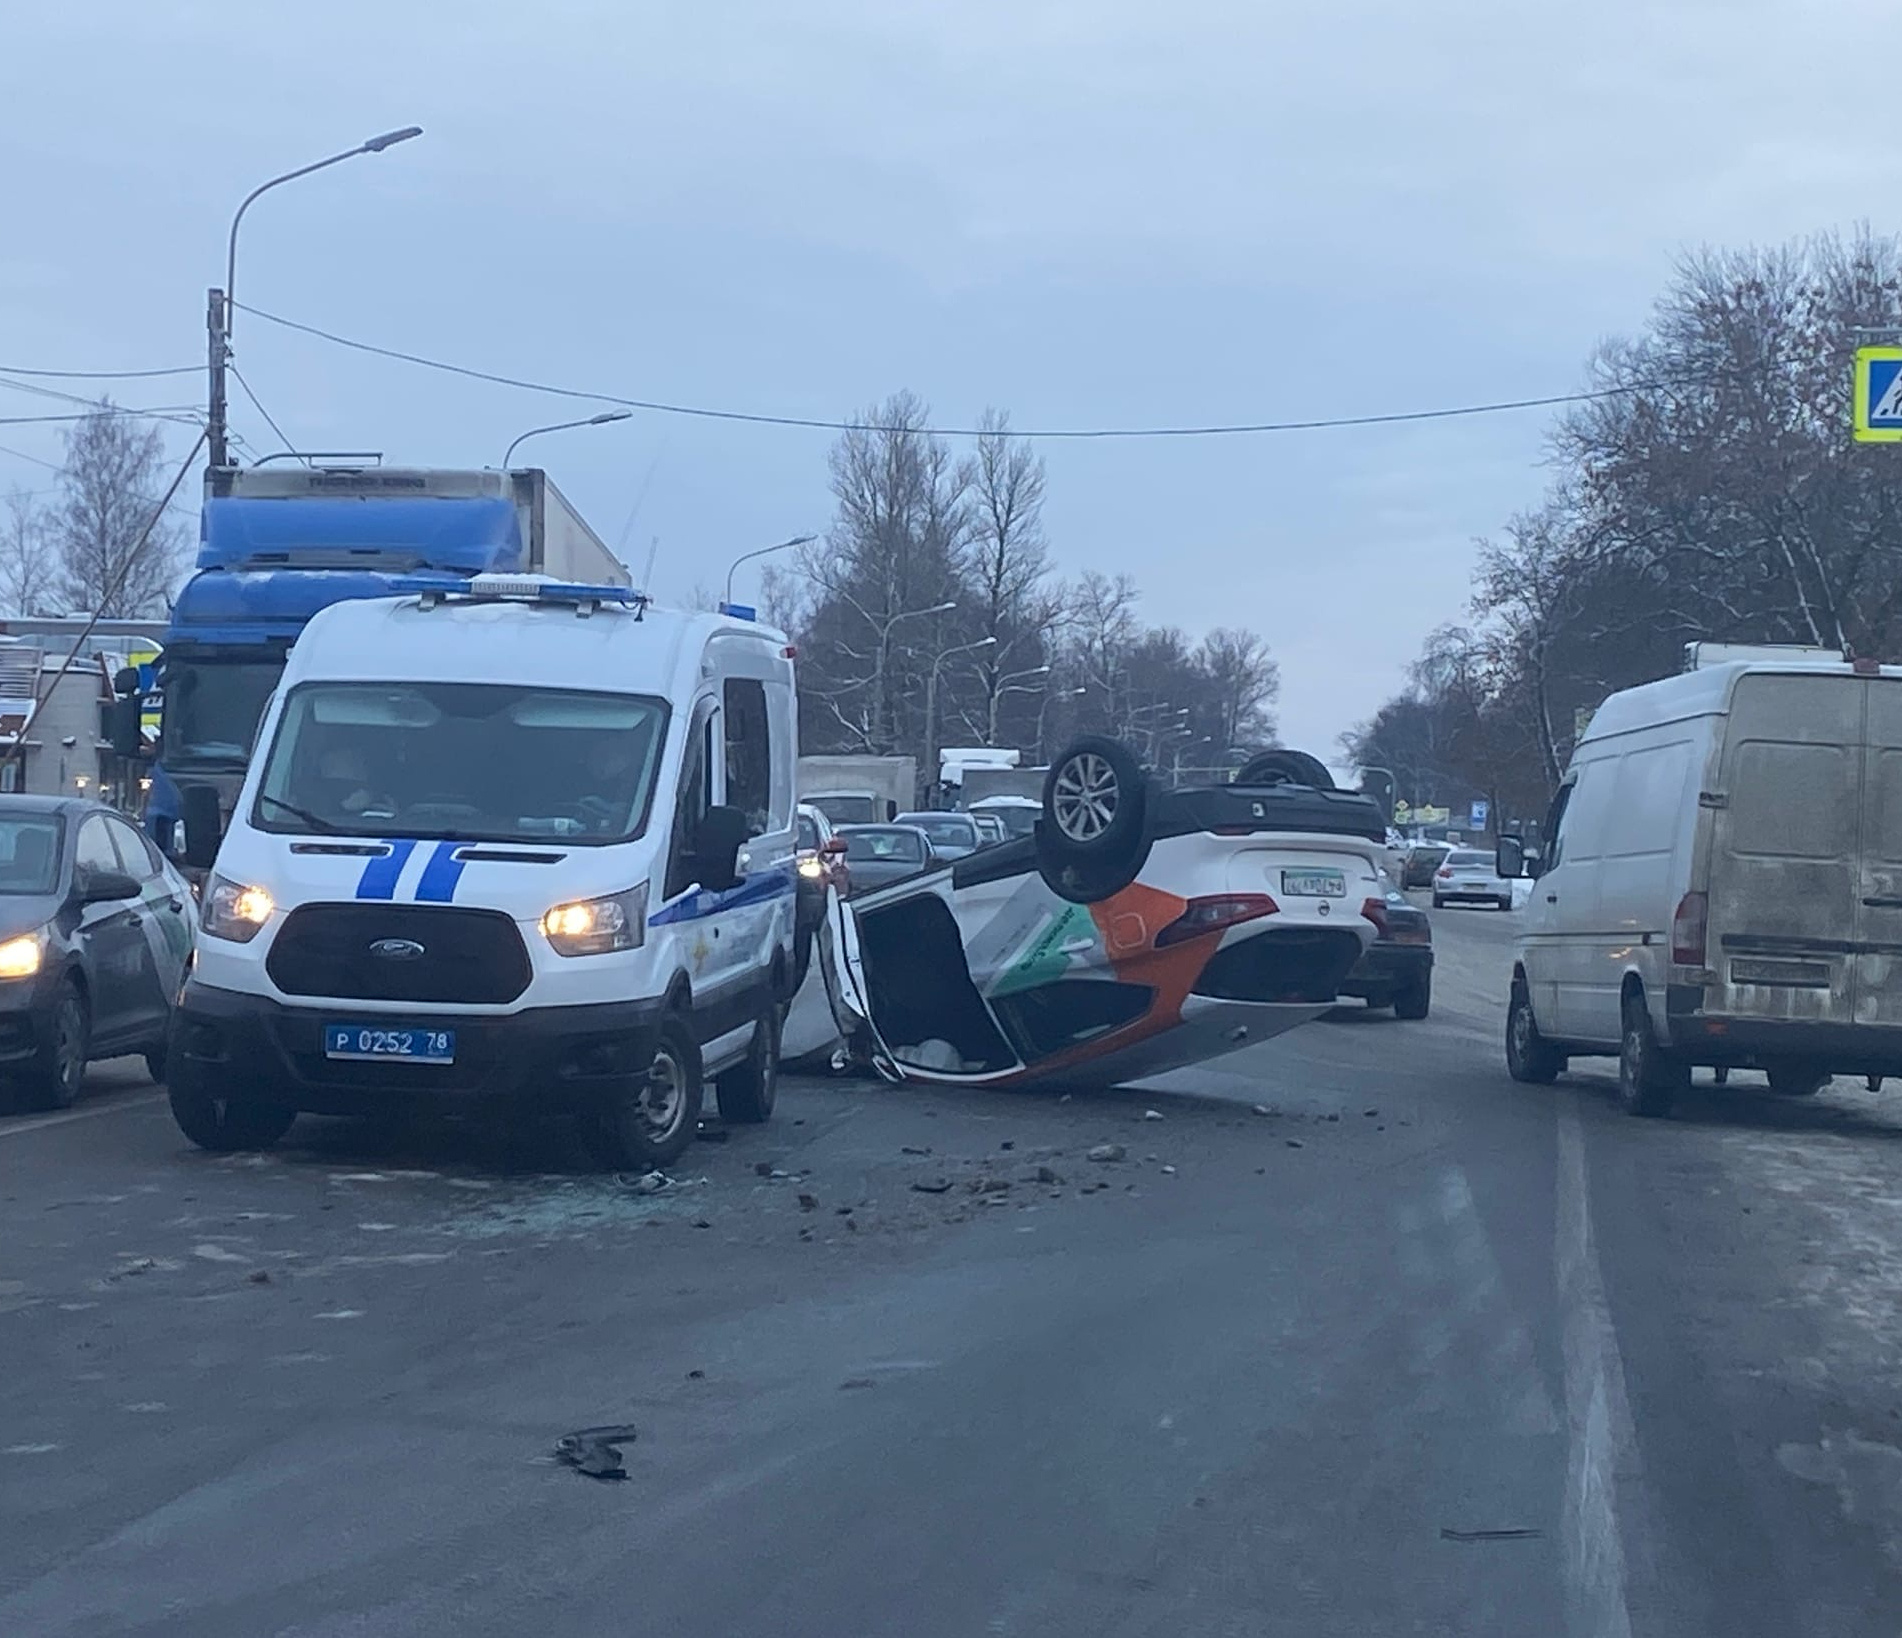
(1879, 395)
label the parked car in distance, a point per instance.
(1018, 814)
(1397, 970)
(1419, 862)
(879, 854)
(95, 931)
(1470, 877)
(819, 862)
(952, 835)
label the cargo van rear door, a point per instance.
(1877, 992)
(1784, 879)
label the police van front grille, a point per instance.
(400, 952)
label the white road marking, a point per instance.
(1600, 1445)
(67, 1116)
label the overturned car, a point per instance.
(1136, 930)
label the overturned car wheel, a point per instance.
(1093, 836)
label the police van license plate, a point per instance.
(376, 1041)
(1314, 884)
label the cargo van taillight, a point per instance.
(1688, 928)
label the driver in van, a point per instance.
(343, 773)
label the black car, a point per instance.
(878, 855)
(95, 930)
(1397, 969)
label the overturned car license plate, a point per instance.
(1314, 884)
(419, 1046)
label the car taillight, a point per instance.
(1688, 928)
(1212, 915)
(1375, 910)
(1411, 934)
(1446, 873)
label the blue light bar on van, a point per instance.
(739, 611)
(515, 588)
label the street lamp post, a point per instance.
(219, 302)
(763, 551)
(931, 705)
(1003, 686)
(600, 420)
(1060, 694)
(882, 663)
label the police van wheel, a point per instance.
(748, 1090)
(651, 1122)
(224, 1126)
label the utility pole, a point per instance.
(216, 353)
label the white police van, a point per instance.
(502, 841)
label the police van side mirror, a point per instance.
(721, 834)
(1509, 858)
(204, 825)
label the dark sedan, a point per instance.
(95, 930)
(879, 854)
(1397, 969)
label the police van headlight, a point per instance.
(598, 926)
(21, 957)
(234, 911)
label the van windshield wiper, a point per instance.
(296, 812)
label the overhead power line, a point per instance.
(703, 412)
(100, 375)
(258, 404)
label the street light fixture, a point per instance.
(764, 551)
(218, 313)
(600, 420)
(931, 702)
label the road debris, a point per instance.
(1168, 1171)
(858, 1382)
(762, 1168)
(596, 1451)
(712, 1134)
(1370, 1113)
(932, 1185)
(259, 1276)
(1447, 1534)
(1152, 1114)
(1294, 1143)
(808, 1202)
(1104, 1153)
(915, 1149)
(1049, 1174)
(651, 1183)
(1260, 1109)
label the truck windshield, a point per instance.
(463, 761)
(846, 808)
(211, 710)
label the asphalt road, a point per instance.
(1416, 1351)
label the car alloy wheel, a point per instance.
(1085, 796)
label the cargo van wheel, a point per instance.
(747, 1091)
(224, 1126)
(1530, 1057)
(650, 1123)
(1649, 1078)
(1796, 1080)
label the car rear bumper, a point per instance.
(252, 1049)
(1388, 967)
(1756, 1043)
(1477, 892)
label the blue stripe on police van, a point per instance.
(762, 885)
(380, 876)
(440, 875)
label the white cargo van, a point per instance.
(507, 842)
(1722, 882)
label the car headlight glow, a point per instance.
(21, 957)
(598, 926)
(812, 867)
(231, 910)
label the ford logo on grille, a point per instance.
(397, 949)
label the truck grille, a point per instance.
(471, 956)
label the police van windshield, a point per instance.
(466, 761)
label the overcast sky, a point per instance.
(1087, 212)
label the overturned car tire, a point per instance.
(1093, 834)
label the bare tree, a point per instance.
(1008, 560)
(25, 562)
(1243, 683)
(109, 488)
